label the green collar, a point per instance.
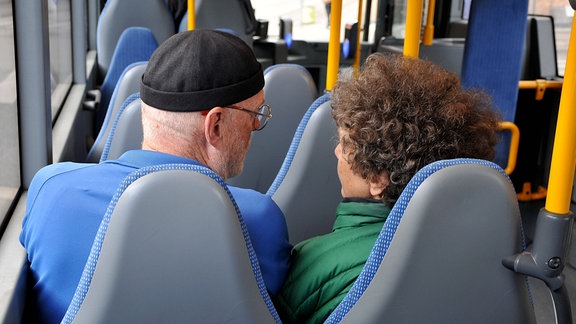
(358, 213)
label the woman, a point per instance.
(397, 116)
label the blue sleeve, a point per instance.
(268, 233)
(38, 181)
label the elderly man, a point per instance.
(201, 99)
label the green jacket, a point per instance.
(325, 267)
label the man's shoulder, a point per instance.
(54, 170)
(240, 193)
(252, 203)
(253, 200)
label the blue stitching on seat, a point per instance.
(295, 143)
(88, 272)
(106, 148)
(110, 104)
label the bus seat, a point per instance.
(128, 83)
(119, 15)
(307, 188)
(126, 131)
(135, 45)
(444, 52)
(439, 256)
(496, 68)
(172, 248)
(289, 89)
(539, 56)
(237, 16)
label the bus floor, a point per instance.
(541, 297)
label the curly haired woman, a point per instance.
(397, 116)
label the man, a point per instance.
(201, 99)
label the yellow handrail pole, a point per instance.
(562, 168)
(514, 143)
(334, 45)
(356, 64)
(540, 85)
(413, 24)
(191, 15)
(534, 84)
(429, 28)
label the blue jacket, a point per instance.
(66, 202)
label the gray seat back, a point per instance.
(172, 248)
(235, 16)
(307, 188)
(290, 90)
(126, 131)
(118, 15)
(128, 83)
(439, 256)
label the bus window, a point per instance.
(9, 152)
(309, 17)
(60, 34)
(562, 13)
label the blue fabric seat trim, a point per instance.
(108, 118)
(492, 58)
(127, 102)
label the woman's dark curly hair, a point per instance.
(403, 113)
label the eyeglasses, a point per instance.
(263, 114)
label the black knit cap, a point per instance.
(200, 69)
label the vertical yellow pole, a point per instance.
(191, 15)
(413, 24)
(358, 42)
(429, 28)
(334, 45)
(562, 168)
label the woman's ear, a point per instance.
(378, 185)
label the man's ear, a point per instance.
(213, 126)
(378, 185)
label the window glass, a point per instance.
(563, 14)
(310, 18)
(60, 35)
(9, 152)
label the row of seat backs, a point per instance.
(437, 259)
(136, 44)
(289, 89)
(128, 83)
(306, 182)
(118, 15)
(213, 14)
(130, 30)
